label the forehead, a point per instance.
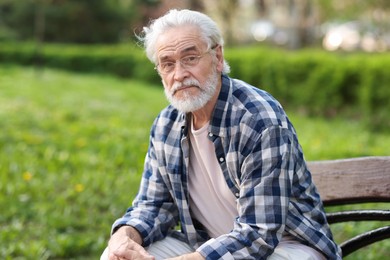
(179, 39)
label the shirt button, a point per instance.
(237, 194)
(221, 159)
(210, 134)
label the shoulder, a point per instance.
(257, 106)
(169, 121)
(169, 115)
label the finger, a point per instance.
(130, 252)
(114, 257)
(133, 255)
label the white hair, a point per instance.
(209, 30)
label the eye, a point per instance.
(190, 59)
(168, 65)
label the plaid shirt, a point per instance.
(263, 165)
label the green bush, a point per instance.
(314, 82)
(320, 83)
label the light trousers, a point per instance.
(171, 247)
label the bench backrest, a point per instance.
(357, 180)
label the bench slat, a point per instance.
(358, 215)
(365, 239)
(356, 180)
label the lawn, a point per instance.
(72, 148)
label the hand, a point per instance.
(191, 256)
(125, 244)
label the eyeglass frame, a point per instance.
(184, 65)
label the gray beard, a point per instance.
(189, 103)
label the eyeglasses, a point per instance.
(187, 62)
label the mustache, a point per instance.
(186, 83)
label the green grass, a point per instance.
(71, 152)
(324, 139)
(72, 149)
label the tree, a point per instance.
(225, 13)
(81, 21)
(294, 20)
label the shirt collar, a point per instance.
(222, 109)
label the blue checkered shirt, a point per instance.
(263, 165)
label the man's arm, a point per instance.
(122, 244)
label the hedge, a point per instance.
(314, 82)
(122, 60)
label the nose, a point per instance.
(180, 73)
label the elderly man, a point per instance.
(224, 176)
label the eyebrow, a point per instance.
(183, 51)
(191, 48)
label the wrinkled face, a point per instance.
(190, 72)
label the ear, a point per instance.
(219, 55)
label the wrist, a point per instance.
(130, 232)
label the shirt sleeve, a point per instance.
(265, 188)
(153, 212)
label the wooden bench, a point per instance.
(354, 181)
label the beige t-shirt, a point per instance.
(211, 201)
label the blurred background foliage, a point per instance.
(70, 34)
(78, 21)
(290, 23)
